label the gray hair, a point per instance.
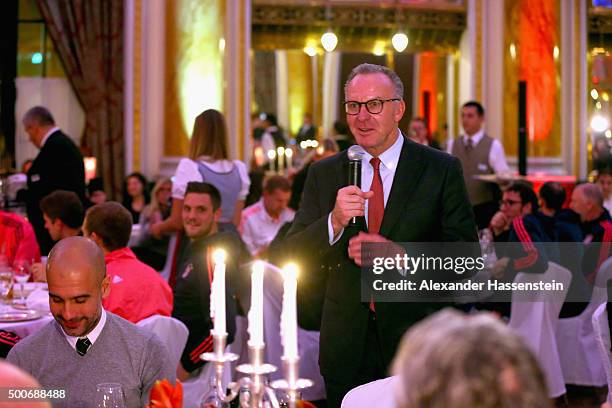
(591, 193)
(40, 115)
(364, 69)
(466, 361)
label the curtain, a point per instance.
(88, 37)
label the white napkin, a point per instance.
(38, 300)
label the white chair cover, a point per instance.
(580, 360)
(535, 317)
(172, 332)
(165, 273)
(379, 393)
(308, 341)
(602, 339)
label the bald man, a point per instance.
(86, 345)
(12, 377)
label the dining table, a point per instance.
(26, 319)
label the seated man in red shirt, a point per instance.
(17, 239)
(137, 291)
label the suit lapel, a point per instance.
(407, 175)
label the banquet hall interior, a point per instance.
(224, 124)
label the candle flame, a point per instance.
(219, 256)
(271, 154)
(290, 271)
(280, 150)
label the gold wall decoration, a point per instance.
(137, 91)
(550, 145)
(194, 67)
(300, 80)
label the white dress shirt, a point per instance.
(497, 157)
(92, 335)
(258, 228)
(388, 164)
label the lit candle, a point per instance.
(217, 298)
(280, 152)
(256, 312)
(289, 313)
(272, 156)
(289, 154)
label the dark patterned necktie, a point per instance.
(469, 144)
(82, 345)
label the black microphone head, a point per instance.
(355, 153)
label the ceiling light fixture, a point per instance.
(399, 41)
(329, 40)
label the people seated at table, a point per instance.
(85, 345)
(517, 222)
(200, 213)
(596, 224)
(328, 148)
(63, 214)
(149, 249)
(418, 132)
(209, 162)
(262, 220)
(135, 194)
(462, 361)
(95, 192)
(604, 182)
(17, 238)
(136, 291)
(480, 154)
(14, 378)
(563, 226)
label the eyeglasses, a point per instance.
(509, 203)
(373, 106)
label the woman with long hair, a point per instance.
(135, 194)
(209, 162)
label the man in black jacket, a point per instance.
(58, 166)
(416, 194)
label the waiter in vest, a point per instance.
(479, 154)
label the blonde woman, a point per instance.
(209, 162)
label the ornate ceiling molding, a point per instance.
(359, 16)
(288, 25)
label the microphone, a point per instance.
(355, 154)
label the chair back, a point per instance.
(379, 393)
(534, 317)
(172, 332)
(601, 329)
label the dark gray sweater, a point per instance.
(123, 353)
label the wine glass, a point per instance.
(109, 395)
(6, 284)
(22, 272)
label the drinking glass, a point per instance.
(22, 272)
(109, 395)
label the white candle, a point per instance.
(280, 152)
(217, 310)
(289, 313)
(256, 312)
(272, 156)
(289, 154)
